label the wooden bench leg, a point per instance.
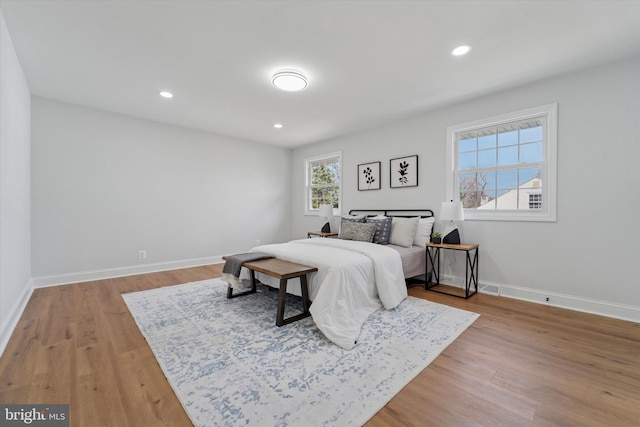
(305, 295)
(282, 297)
(253, 289)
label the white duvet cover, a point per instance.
(353, 280)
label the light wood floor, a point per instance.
(518, 364)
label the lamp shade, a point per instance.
(326, 211)
(451, 211)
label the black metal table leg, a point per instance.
(471, 267)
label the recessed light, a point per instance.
(166, 94)
(461, 50)
(289, 80)
(277, 125)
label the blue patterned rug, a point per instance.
(230, 365)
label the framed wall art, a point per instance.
(403, 172)
(369, 176)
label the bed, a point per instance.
(356, 277)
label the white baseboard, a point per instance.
(87, 276)
(571, 302)
(9, 323)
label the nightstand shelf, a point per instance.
(471, 269)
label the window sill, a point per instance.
(508, 216)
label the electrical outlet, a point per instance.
(142, 254)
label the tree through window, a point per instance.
(324, 175)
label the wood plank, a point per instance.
(458, 247)
(140, 379)
(278, 268)
(18, 361)
(97, 391)
(54, 368)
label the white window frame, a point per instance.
(308, 210)
(549, 165)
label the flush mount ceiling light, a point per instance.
(289, 80)
(166, 94)
(277, 126)
(461, 50)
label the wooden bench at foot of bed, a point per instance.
(282, 270)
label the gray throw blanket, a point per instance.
(233, 265)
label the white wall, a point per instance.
(106, 186)
(587, 260)
(15, 200)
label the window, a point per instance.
(535, 201)
(504, 168)
(323, 182)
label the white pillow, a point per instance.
(423, 231)
(403, 231)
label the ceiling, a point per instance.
(368, 62)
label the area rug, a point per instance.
(230, 365)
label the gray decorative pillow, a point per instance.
(354, 218)
(361, 232)
(350, 218)
(383, 229)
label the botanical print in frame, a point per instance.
(403, 172)
(369, 176)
